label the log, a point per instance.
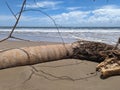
(33, 55)
(85, 50)
(40, 54)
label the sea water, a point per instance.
(64, 34)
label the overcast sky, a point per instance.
(71, 13)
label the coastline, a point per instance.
(100, 34)
(78, 74)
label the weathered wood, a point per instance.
(86, 50)
(39, 54)
(91, 50)
(111, 65)
(34, 55)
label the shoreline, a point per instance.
(68, 35)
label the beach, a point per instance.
(59, 45)
(66, 74)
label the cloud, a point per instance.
(106, 16)
(64, 19)
(103, 16)
(44, 4)
(6, 17)
(109, 10)
(71, 18)
(73, 8)
(7, 20)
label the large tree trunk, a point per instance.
(33, 55)
(93, 51)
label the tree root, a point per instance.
(111, 65)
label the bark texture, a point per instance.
(34, 55)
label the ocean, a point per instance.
(65, 34)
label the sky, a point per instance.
(65, 13)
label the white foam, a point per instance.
(63, 30)
(101, 35)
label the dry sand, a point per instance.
(69, 74)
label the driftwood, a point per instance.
(33, 55)
(88, 50)
(108, 55)
(111, 65)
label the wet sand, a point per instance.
(66, 74)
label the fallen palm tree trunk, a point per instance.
(47, 53)
(93, 51)
(33, 55)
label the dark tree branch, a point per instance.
(19, 38)
(11, 10)
(117, 44)
(16, 23)
(24, 2)
(34, 10)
